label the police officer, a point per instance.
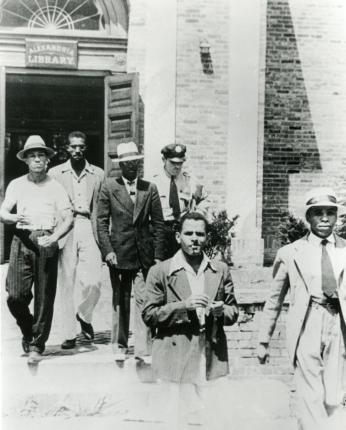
(179, 193)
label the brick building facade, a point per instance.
(293, 128)
(263, 128)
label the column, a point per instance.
(160, 80)
(246, 89)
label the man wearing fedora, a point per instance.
(179, 193)
(131, 246)
(43, 215)
(311, 271)
(80, 263)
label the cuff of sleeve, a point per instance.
(106, 249)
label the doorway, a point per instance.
(51, 106)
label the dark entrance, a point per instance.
(52, 106)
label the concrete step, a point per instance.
(80, 384)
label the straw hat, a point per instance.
(127, 152)
(35, 142)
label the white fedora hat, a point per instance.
(322, 197)
(35, 142)
(127, 152)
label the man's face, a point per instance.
(129, 169)
(192, 237)
(173, 168)
(36, 160)
(322, 220)
(77, 148)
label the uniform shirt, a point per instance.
(196, 280)
(41, 201)
(131, 188)
(316, 251)
(187, 188)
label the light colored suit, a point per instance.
(94, 177)
(318, 364)
(80, 263)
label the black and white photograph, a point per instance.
(173, 214)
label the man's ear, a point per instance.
(177, 236)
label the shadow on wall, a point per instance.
(290, 145)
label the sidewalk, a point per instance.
(85, 388)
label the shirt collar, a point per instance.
(126, 181)
(179, 262)
(315, 240)
(68, 167)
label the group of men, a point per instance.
(152, 238)
(69, 219)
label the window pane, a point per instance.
(52, 15)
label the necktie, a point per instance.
(174, 198)
(329, 286)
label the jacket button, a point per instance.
(173, 343)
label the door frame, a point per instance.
(4, 71)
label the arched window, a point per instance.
(59, 16)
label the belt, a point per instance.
(29, 230)
(81, 215)
(330, 304)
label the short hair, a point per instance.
(78, 134)
(196, 216)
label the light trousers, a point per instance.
(79, 276)
(320, 373)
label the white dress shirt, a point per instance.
(316, 250)
(196, 280)
(80, 191)
(131, 187)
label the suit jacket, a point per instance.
(94, 177)
(177, 329)
(136, 233)
(293, 274)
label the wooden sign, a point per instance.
(52, 54)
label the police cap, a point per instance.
(175, 152)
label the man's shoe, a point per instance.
(34, 357)
(87, 328)
(146, 359)
(69, 344)
(26, 344)
(119, 356)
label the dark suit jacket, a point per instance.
(177, 329)
(136, 234)
(94, 176)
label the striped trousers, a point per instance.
(31, 264)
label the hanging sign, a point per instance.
(52, 54)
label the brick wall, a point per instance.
(242, 340)
(251, 289)
(305, 106)
(202, 99)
